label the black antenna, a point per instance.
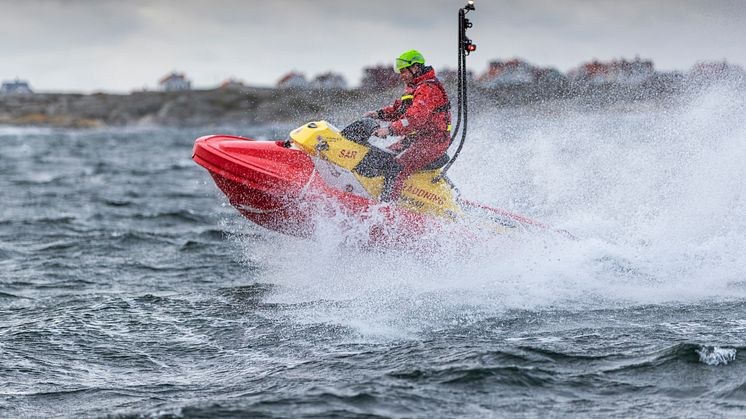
(465, 47)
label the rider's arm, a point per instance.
(418, 115)
(390, 113)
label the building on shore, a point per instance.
(549, 75)
(232, 84)
(379, 77)
(175, 82)
(716, 70)
(517, 72)
(511, 72)
(329, 80)
(16, 87)
(624, 72)
(293, 80)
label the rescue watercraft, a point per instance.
(322, 172)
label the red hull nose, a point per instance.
(263, 179)
(277, 188)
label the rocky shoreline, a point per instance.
(252, 106)
(196, 107)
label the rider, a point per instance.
(422, 117)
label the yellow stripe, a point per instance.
(449, 127)
(405, 97)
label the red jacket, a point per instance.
(423, 112)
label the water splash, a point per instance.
(655, 194)
(713, 355)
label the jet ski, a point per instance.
(323, 173)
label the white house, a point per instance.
(293, 80)
(232, 84)
(175, 82)
(16, 87)
(511, 72)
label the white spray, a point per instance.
(655, 194)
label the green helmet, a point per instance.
(407, 59)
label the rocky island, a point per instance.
(269, 105)
(512, 83)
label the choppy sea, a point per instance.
(129, 288)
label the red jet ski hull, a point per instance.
(277, 187)
(260, 178)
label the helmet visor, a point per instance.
(401, 64)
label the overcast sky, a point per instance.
(120, 45)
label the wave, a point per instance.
(520, 367)
(714, 355)
(40, 178)
(9, 296)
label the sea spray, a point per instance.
(713, 355)
(654, 195)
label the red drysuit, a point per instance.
(423, 117)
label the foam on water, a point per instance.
(712, 355)
(655, 196)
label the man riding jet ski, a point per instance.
(323, 173)
(422, 117)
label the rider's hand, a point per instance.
(372, 114)
(381, 132)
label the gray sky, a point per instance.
(118, 45)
